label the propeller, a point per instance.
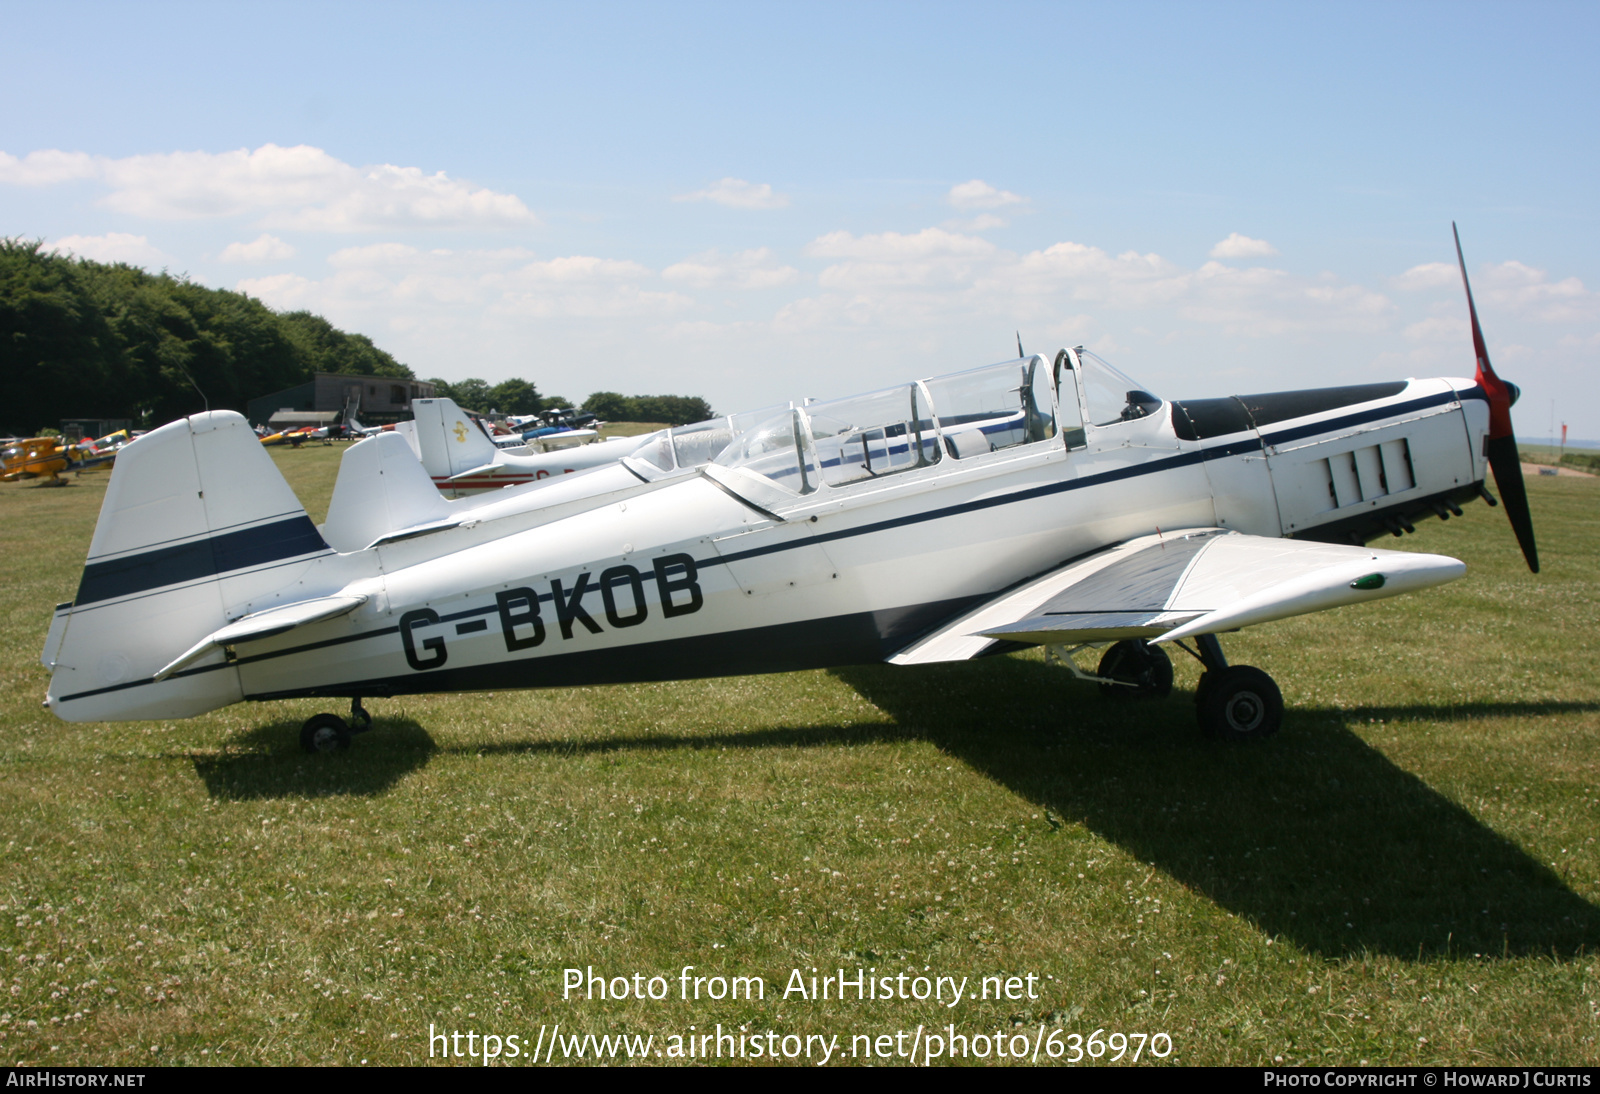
(1501, 445)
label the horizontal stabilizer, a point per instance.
(486, 469)
(265, 624)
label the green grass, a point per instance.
(1408, 873)
(1581, 459)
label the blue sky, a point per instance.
(756, 202)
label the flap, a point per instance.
(1171, 586)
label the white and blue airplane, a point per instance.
(1040, 501)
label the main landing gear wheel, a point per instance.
(325, 733)
(1238, 703)
(1136, 662)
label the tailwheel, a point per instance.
(325, 733)
(1239, 703)
(1135, 662)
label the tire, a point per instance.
(324, 733)
(1240, 703)
(1136, 662)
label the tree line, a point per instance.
(86, 339)
(517, 396)
(81, 339)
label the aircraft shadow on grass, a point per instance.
(1312, 835)
(267, 762)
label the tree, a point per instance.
(609, 405)
(84, 338)
(515, 396)
(326, 348)
(471, 394)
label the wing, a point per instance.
(1173, 585)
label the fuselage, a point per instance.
(608, 578)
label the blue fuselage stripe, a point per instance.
(199, 559)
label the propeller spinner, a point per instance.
(1501, 445)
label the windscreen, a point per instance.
(701, 442)
(775, 449)
(1111, 396)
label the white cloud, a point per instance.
(738, 194)
(46, 168)
(897, 246)
(300, 187)
(1525, 289)
(1438, 329)
(1238, 246)
(111, 247)
(758, 268)
(978, 194)
(264, 248)
(867, 309)
(440, 290)
(284, 291)
(937, 278)
(1429, 275)
(980, 223)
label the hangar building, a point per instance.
(374, 400)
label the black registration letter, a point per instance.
(666, 586)
(420, 618)
(511, 618)
(623, 575)
(570, 610)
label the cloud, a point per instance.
(938, 278)
(46, 168)
(112, 247)
(980, 223)
(1429, 275)
(738, 194)
(264, 248)
(978, 194)
(1526, 289)
(301, 187)
(1238, 246)
(758, 268)
(441, 289)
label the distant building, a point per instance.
(374, 400)
(77, 429)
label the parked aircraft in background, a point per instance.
(1037, 501)
(462, 459)
(46, 458)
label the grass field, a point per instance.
(1407, 874)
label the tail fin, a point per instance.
(197, 529)
(448, 439)
(381, 490)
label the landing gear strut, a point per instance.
(331, 733)
(1234, 702)
(1134, 669)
